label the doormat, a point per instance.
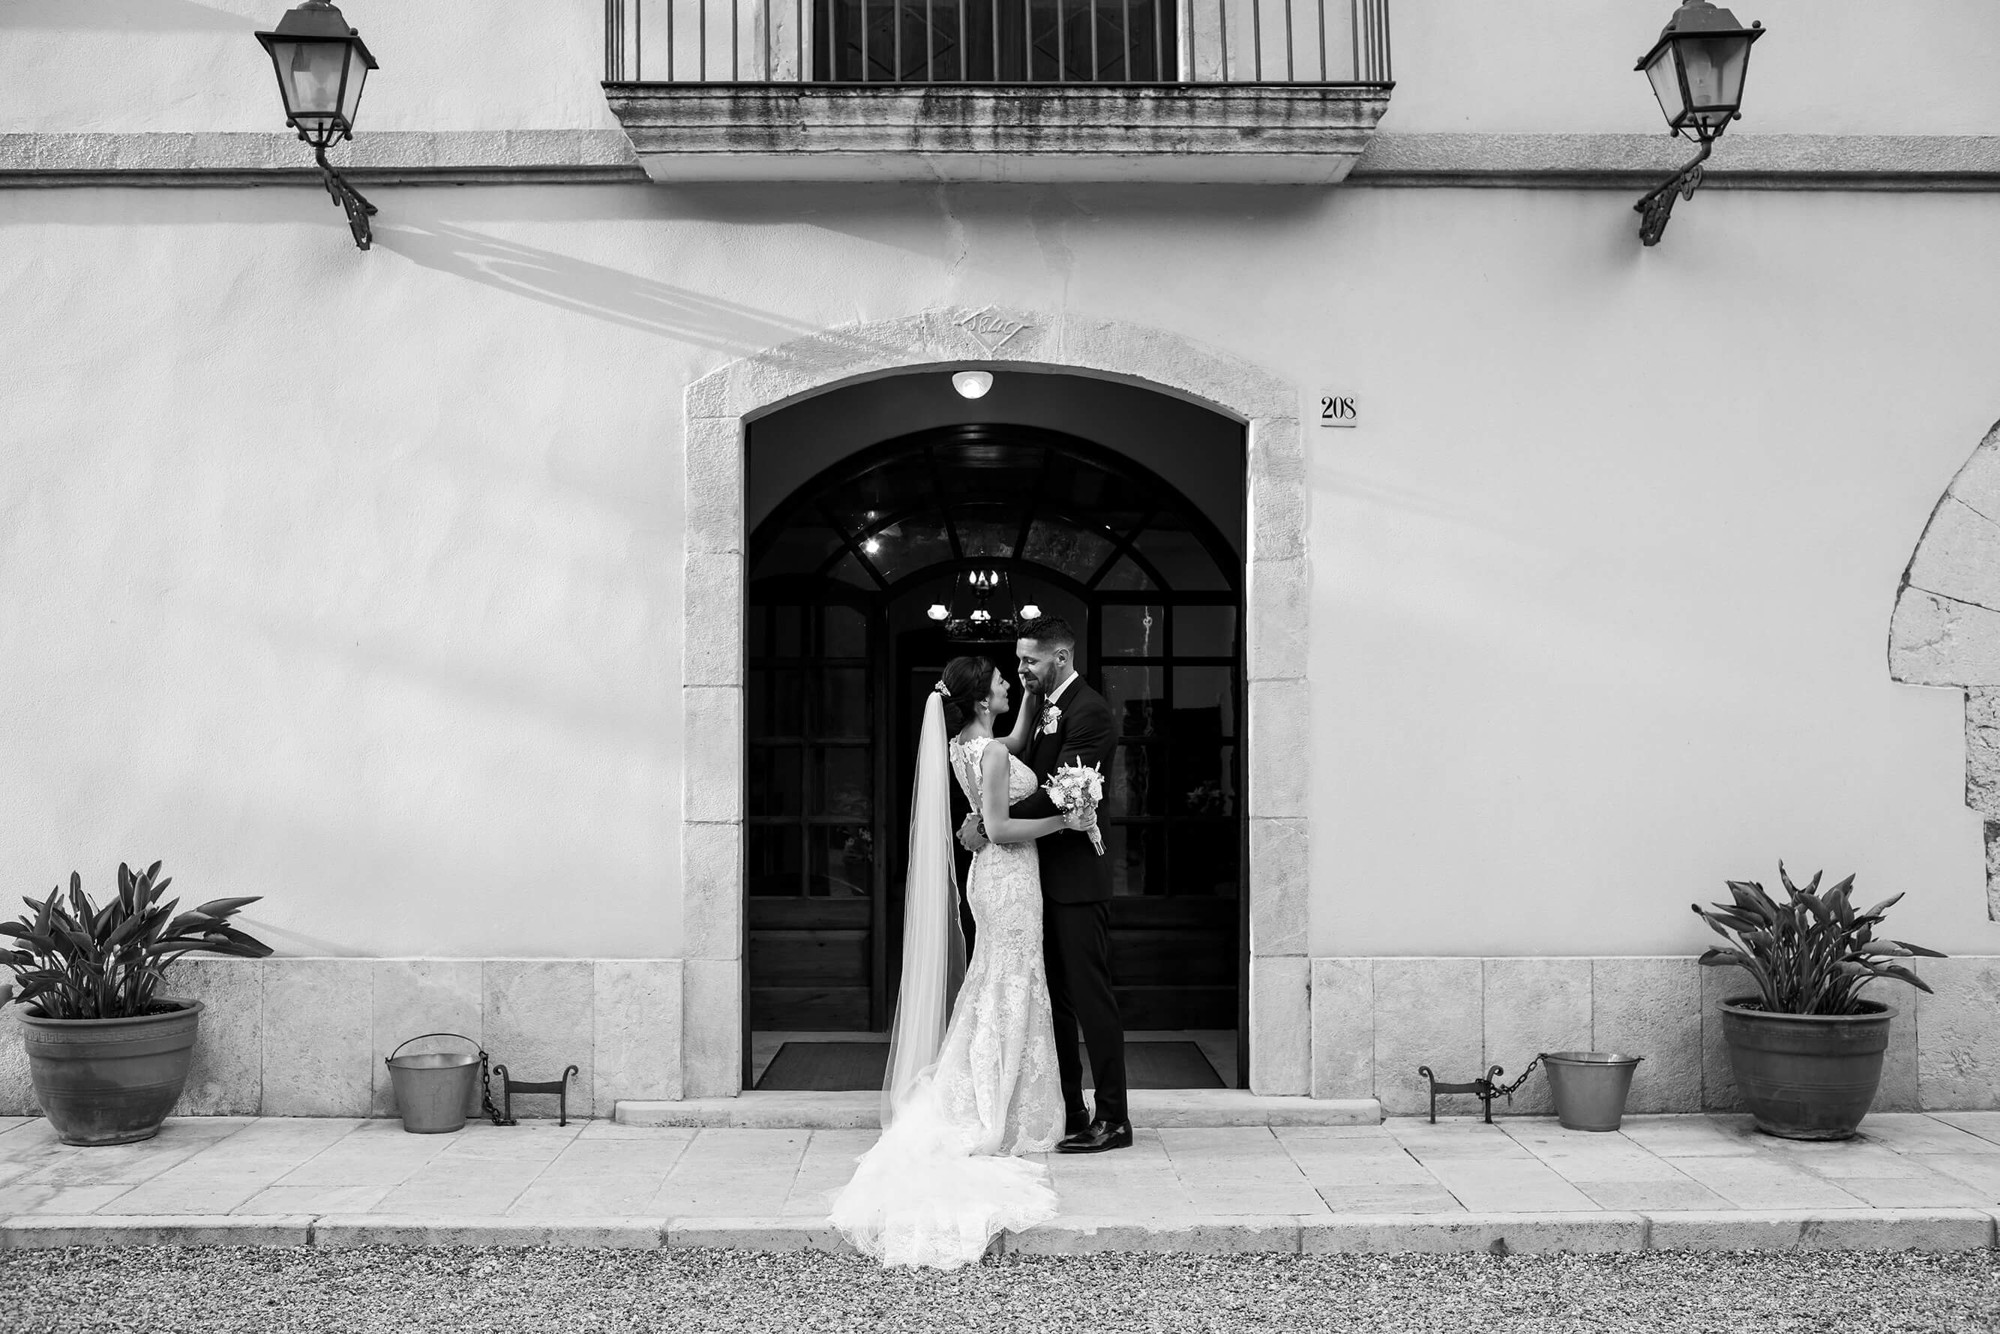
(847, 1066)
(827, 1066)
(1165, 1065)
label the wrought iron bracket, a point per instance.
(509, 1086)
(1486, 1088)
(1658, 204)
(358, 210)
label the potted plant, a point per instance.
(1807, 1050)
(106, 1055)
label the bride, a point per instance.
(962, 1099)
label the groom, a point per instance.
(1075, 726)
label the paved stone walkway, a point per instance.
(1664, 1181)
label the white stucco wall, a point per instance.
(135, 65)
(1565, 67)
(1601, 584)
(1461, 66)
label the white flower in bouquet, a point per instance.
(1078, 786)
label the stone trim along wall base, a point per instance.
(1374, 1021)
(307, 1037)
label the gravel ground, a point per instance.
(169, 1290)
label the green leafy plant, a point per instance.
(78, 961)
(1811, 955)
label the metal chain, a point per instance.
(486, 1106)
(1507, 1091)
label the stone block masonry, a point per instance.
(1376, 1020)
(308, 1037)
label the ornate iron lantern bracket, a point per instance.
(1658, 205)
(358, 209)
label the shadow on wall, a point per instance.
(124, 16)
(590, 289)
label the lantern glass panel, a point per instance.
(309, 76)
(1664, 74)
(1714, 69)
(350, 97)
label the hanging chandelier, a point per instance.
(982, 608)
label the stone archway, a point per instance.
(1945, 630)
(1275, 600)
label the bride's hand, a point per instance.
(971, 833)
(1080, 817)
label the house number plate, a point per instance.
(1337, 411)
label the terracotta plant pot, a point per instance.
(1806, 1076)
(110, 1081)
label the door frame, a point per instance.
(1277, 701)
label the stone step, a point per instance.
(773, 1110)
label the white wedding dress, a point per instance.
(941, 1183)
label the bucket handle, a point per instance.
(421, 1036)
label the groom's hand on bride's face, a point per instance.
(972, 834)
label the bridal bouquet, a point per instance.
(1078, 785)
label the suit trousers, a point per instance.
(1076, 950)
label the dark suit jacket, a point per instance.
(1072, 872)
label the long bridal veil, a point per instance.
(930, 1191)
(933, 944)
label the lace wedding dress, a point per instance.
(941, 1183)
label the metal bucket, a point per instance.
(433, 1089)
(1589, 1087)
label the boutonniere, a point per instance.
(1051, 719)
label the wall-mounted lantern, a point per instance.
(1696, 69)
(321, 65)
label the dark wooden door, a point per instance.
(1170, 667)
(815, 880)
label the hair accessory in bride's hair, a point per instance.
(942, 689)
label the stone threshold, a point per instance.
(1155, 1108)
(1220, 1234)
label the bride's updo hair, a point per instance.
(967, 683)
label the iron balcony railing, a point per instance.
(997, 42)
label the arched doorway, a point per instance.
(844, 569)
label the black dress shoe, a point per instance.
(1075, 1125)
(1099, 1136)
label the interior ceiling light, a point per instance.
(972, 384)
(970, 616)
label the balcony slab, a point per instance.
(1284, 134)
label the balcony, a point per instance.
(1238, 91)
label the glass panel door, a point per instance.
(813, 827)
(1170, 668)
